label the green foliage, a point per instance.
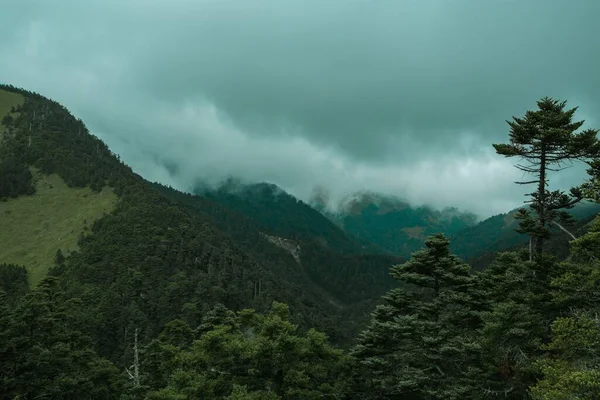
(333, 260)
(571, 370)
(15, 178)
(479, 245)
(177, 269)
(13, 282)
(514, 324)
(588, 245)
(248, 355)
(9, 101)
(45, 135)
(36, 227)
(46, 354)
(545, 138)
(281, 214)
(395, 226)
(421, 343)
(591, 189)
(325, 283)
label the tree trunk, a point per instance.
(136, 361)
(539, 243)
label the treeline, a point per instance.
(519, 329)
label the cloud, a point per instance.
(402, 97)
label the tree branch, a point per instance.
(526, 183)
(564, 229)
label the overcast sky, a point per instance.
(400, 96)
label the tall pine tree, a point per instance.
(515, 324)
(546, 139)
(421, 343)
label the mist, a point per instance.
(402, 97)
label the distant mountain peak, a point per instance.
(390, 221)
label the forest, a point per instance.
(179, 296)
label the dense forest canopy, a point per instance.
(179, 296)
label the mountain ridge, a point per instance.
(152, 259)
(390, 222)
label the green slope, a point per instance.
(282, 214)
(35, 227)
(327, 257)
(150, 259)
(392, 224)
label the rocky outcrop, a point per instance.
(286, 244)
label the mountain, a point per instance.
(139, 255)
(390, 222)
(396, 227)
(263, 216)
(481, 241)
(284, 215)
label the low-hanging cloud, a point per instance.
(400, 97)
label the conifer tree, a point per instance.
(6, 345)
(421, 343)
(248, 355)
(572, 368)
(591, 189)
(48, 356)
(515, 324)
(546, 140)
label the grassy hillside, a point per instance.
(35, 227)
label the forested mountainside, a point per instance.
(146, 242)
(559, 245)
(478, 243)
(138, 291)
(260, 228)
(399, 229)
(284, 215)
(391, 223)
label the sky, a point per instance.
(402, 97)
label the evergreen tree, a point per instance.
(6, 351)
(248, 355)
(421, 343)
(158, 359)
(572, 368)
(13, 282)
(546, 139)
(45, 355)
(515, 324)
(591, 189)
